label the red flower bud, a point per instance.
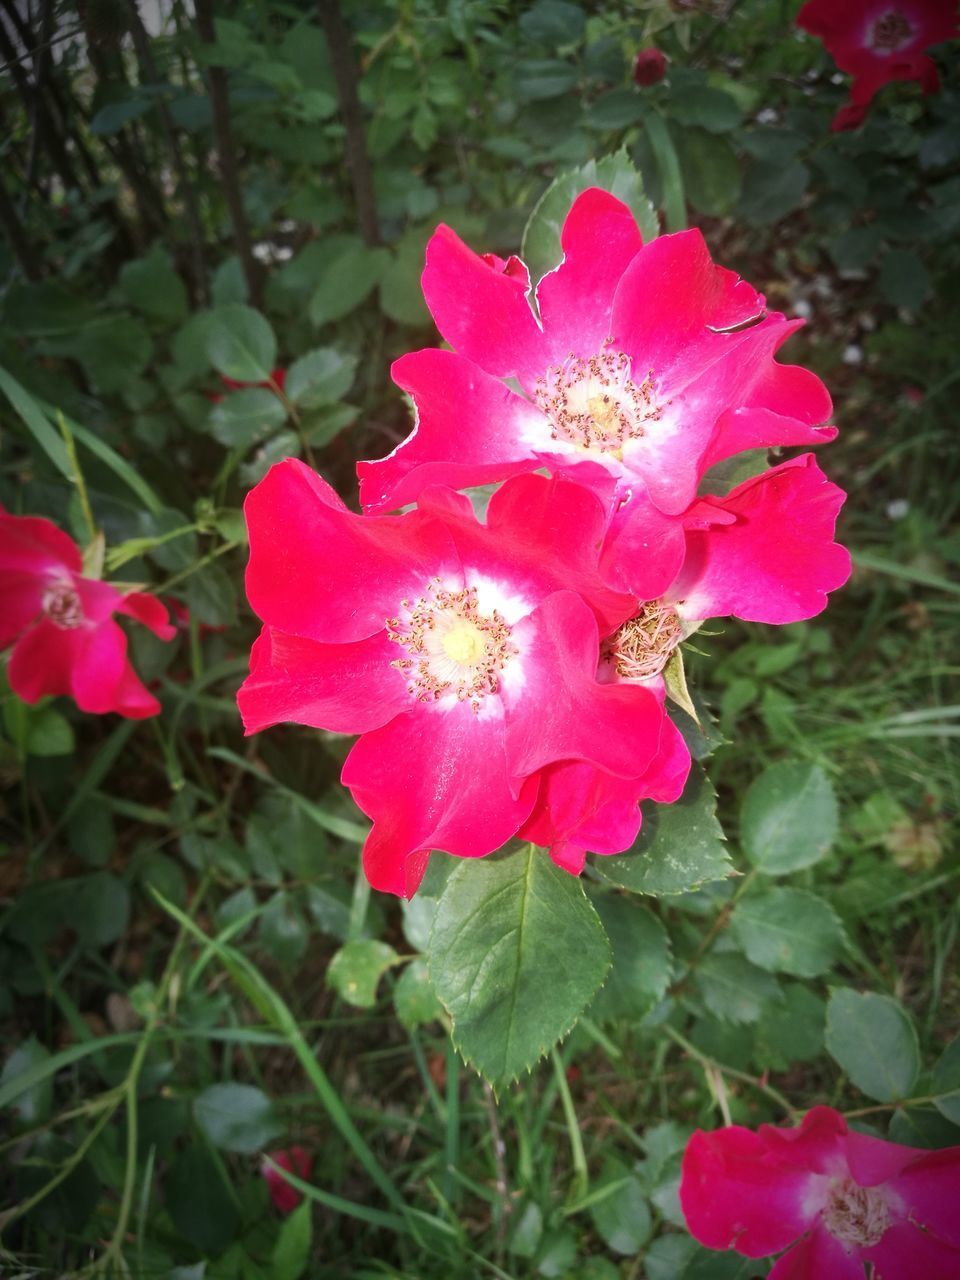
(649, 67)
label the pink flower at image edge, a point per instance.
(833, 1198)
(296, 1160)
(61, 624)
(879, 42)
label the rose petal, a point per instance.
(599, 240)
(150, 611)
(471, 429)
(818, 1257)
(561, 712)
(433, 779)
(318, 570)
(734, 1196)
(346, 688)
(34, 545)
(777, 562)
(481, 310)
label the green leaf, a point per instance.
(236, 1117)
(903, 279)
(111, 118)
(711, 172)
(240, 343)
(537, 78)
(34, 1104)
(793, 1031)
(668, 163)
(228, 283)
(642, 964)
(516, 952)
(874, 1041)
(101, 909)
(789, 817)
(200, 1201)
(90, 833)
(320, 377)
(528, 1231)
(705, 108)
(36, 422)
(734, 989)
(356, 969)
(49, 734)
(681, 846)
(414, 998)
(771, 190)
(946, 1082)
(617, 109)
(291, 1253)
(113, 351)
(244, 417)
(211, 596)
(617, 174)
(401, 297)
(553, 22)
(788, 931)
(346, 282)
(283, 931)
(857, 248)
(619, 1210)
(152, 286)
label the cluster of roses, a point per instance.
(506, 676)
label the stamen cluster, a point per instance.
(455, 649)
(61, 604)
(642, 647)
(856, 1215)
(594, 403)
(891, 31)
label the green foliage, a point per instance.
(874, 1041)
(789, 818)
(236, 1117)
(541, 239)
(788, 931)
(681, 846)
(516, 951)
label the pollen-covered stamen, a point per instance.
(454, 649)
(594, 403)
(643, 645)
(891, 31)
(856, 1215)
(61, 604)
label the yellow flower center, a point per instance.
(464, 643)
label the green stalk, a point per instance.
(674, 205)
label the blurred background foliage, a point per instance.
(191, 972)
